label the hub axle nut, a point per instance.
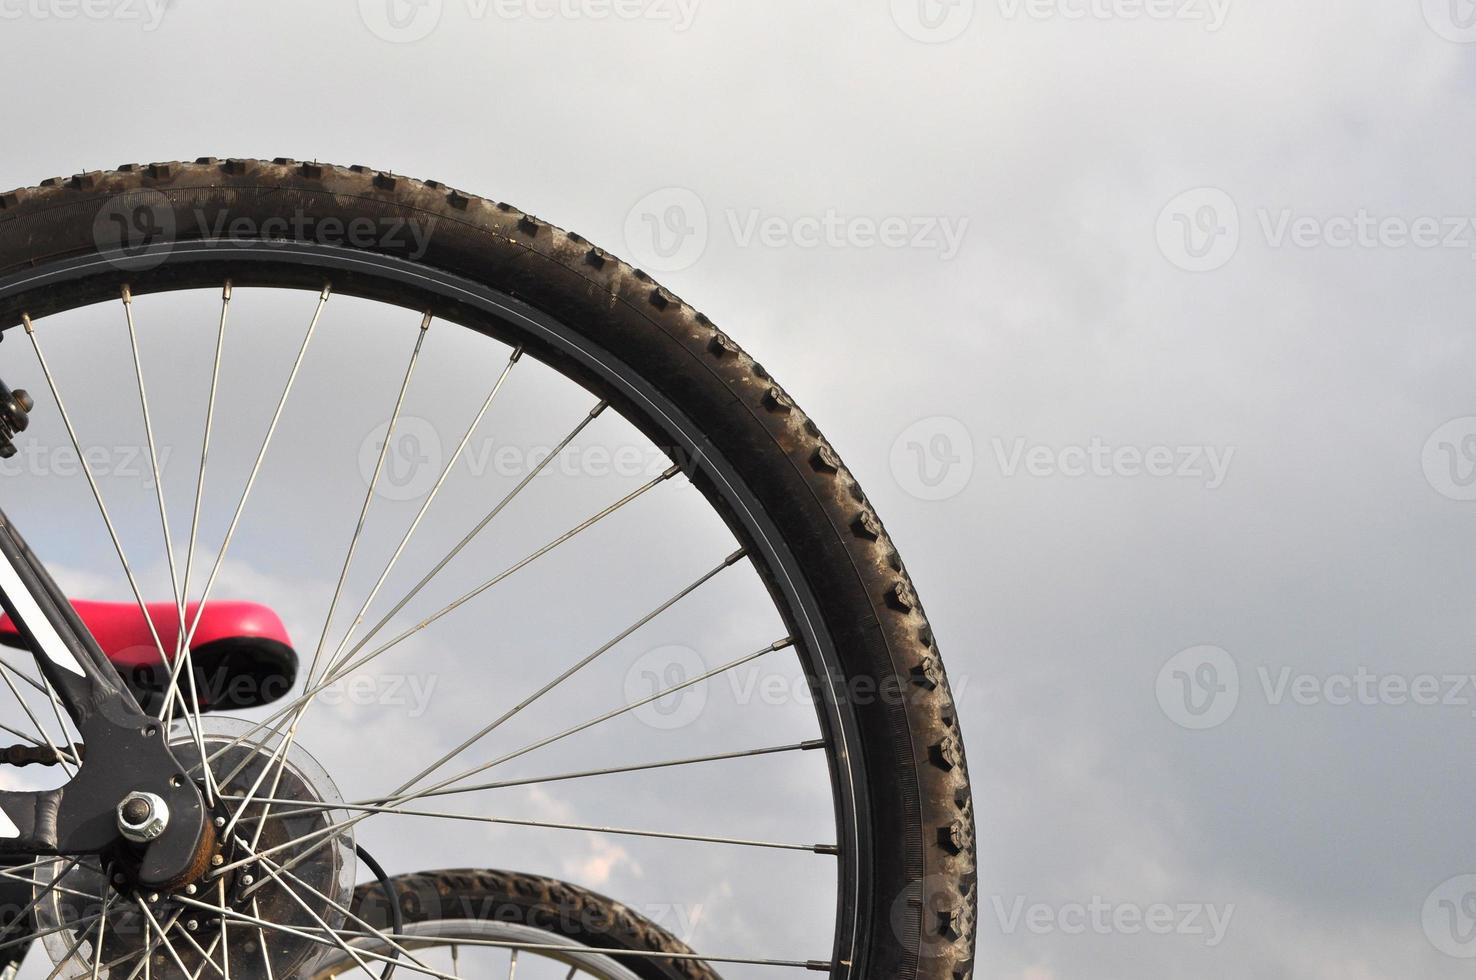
(142, 816)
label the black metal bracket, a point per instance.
(127, 749)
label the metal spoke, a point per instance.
(512, 965)
(225, 311)
(97, 497)
(512, 361)
(61, 758)
(275, 868)
(181, 652)
(347, 564)
(539, 780)
(256, 467)
(815, 965)
(370, 809)
(818, 966)
(308, 934)
(480, 526)
(274, 720)
(335, 828)
(518, 708)
(163, 936)
(92, 482)
(300, 706)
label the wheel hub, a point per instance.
(277, 875)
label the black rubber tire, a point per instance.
(921, 896)
(570, 914)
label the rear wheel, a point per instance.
(475, 923)
(171, 247)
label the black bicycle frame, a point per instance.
(126, 750)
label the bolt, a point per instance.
(247, 880)
(190, 889)
(118, 879)
(220, 821)
(191, 925)
(142, 817)
(217, 861)
(153, 896)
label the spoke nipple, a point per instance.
(594, 413)
(226, 293)
(127, 294)
(517, 355)
(736, 557)
(425, 321)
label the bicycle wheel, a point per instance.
(481, 923)
(759, 527)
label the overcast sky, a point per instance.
(1145, 323)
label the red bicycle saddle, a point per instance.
(240, 651)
